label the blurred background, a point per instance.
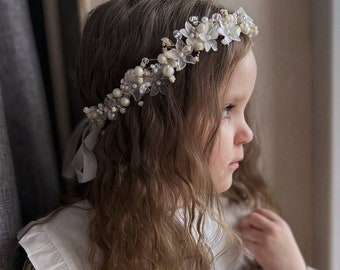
(297, 101)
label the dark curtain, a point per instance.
(10, 215)
(29, 157)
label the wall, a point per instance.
(326, 132)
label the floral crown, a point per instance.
(153, 75)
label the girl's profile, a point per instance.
(164, 156)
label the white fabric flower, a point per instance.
(189, 32)
(209, 36)
(230, 31)
(132, 86)
(157, 83)
(182, 54)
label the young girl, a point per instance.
(166, 84)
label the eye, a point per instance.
(226, 110)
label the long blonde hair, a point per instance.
(153, 159)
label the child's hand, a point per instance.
(271, 241)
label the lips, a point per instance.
(235, 164)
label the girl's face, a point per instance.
(233, 131)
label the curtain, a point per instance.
(29, 181)
(10, 219)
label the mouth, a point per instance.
(235, 164)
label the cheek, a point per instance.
(220, 159)
(221, 152)
(225, 141)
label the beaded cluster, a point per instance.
(153, 75)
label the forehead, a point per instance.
(240, 84)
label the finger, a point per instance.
(251, 246)
(252, 235)
(257, 221)
(268, 214)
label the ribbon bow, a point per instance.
(80, 161)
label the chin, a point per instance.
(222, 187)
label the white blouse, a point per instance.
(61, 240)
(61, 243)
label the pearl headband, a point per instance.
(152, 76)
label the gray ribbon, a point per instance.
(81, 161)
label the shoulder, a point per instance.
(59, 241)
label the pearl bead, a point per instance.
(117, 92)
(125, 101)
(168, 71)
(161, 59)
(181, 54)
(141, 103)
(139, 71)
(205, 19)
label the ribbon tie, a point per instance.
(81, 162)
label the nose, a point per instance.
(244, 134)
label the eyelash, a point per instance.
(227, 109)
